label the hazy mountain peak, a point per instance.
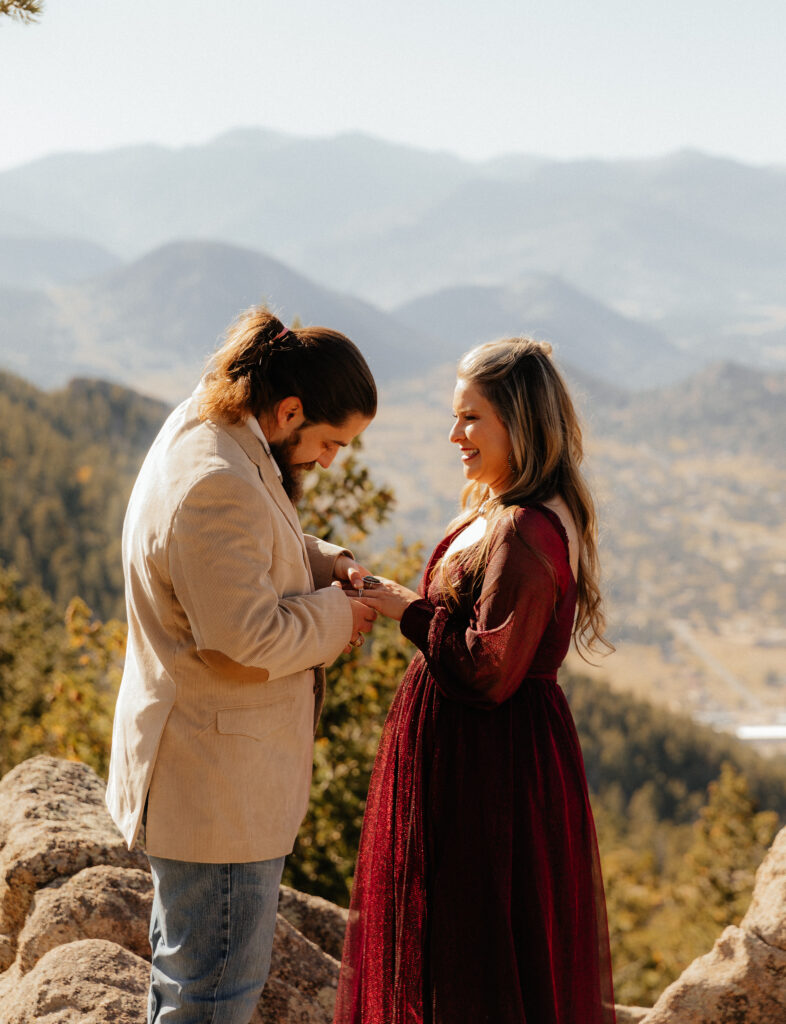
(262, 139)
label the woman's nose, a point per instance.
(456, 433)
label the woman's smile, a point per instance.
(482, 437)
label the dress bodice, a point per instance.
(518, 626)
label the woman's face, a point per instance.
(481, 436)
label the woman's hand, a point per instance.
(388, 597)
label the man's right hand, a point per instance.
(362, 621)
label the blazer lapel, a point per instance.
(255, 450)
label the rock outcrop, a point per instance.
(88, 982)
(75, 905)
(302, 982)
(742, 980)
(53, 824)
(631, 1014)
(97, 903)
(319, 920)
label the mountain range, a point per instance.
(688, 250)
(152, 323)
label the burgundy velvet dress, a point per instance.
(478, 894)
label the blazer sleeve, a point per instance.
(322, 557)
(220, 554)
(483, 659)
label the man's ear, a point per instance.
(289, 413)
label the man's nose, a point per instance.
(325, 459)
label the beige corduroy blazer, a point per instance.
(226, 632)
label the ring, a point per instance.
(371, 581)
(358, 641)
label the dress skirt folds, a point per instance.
(478, 894)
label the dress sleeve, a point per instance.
(483, 660)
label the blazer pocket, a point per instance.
(255, 720)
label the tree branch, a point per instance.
(25, 10)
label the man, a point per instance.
(231, 617)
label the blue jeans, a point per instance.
(211, 932)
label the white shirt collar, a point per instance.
(253, 424)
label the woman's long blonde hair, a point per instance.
(519, 378)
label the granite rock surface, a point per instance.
(75, 909)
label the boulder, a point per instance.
(97, 903)
(766, 916)
(631, 1014)
(75, 905)
(53, 823)
(319, 920)
(87, 982)
(302, 982)
(741, 981)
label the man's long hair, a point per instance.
(519, 378)
(261, 362)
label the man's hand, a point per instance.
(348, 569)
(362, 621)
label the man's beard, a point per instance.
(291, 473)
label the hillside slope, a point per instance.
(67, 463)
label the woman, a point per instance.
(478, 894)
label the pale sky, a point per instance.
(557, 78)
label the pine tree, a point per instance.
(729, 842)
(23, 10)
